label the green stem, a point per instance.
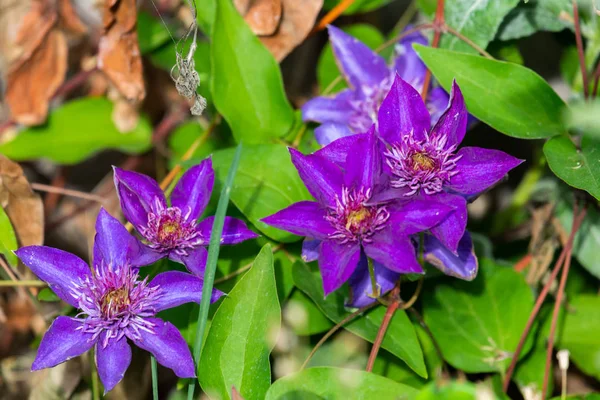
(374, 287)
(95, 382)
(211, 264)
(154, 377)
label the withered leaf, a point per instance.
(297, 19)
(119, 55)
(263, 16)
(39, 69)
(69, 18)
(22, 205)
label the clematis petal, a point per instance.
(393, 251)
(337, 262)
(194, 260)
(453, 122)
(407, 62)
(478, 169)
(177, 288)
(310, 249)
(137, 195)
(437, 101)
(322, 178)
(57, 268)
(363, 169)
(114, 246)
(416, 215)
(462, 265)
(63, 341)
(192, 192)
(234, 230)
(359, 64)
(305, 218)
(112, 361)
(401, 113)
(168, 347)
(330, 131)
(452, 228)
(329, 109)
(361, 288)
(337, 150)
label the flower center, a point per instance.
(422, 165)
(366, 108)
(422, 162)
(115, 301)
(170, 229)
(354, 220)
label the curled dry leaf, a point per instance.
(39, 65)
(69, 18)
(22, 205)
(263, 16)
(119, 55)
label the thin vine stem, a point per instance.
(580, 51)
(154, 368)
(387, 318)
(67, 192)
(438, 23)
(332, 15)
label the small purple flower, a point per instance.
(344, 222)
(116, 305)
(354, 110)
(424, 162)
(173, 231)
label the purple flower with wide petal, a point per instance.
(354, 110)
(344, 221)
(173, 231)
(116, 305)
(424, 162)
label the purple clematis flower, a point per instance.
(345, 221)
(424, 162)
(173, 231)
(116, 306)
(354, 110)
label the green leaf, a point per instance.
(449, 391)
(584, 117)
(8, 239)
(589, 396)
(327, 69)
(242, 335)
(478, 324)
(267, 182)
(478, 20)
(358, 6)
(75, 131)
(206, 15)
(533, 16)
(531, 369)
(151, 32)
(579, 334)
(338, 383)
(181, 139)
(510, 98)
(246, 81)
(303, 316)
(400, 339)
(46, 294)
(587, 239)
(578, 168)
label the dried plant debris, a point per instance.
(119, 55)
(281, 25)
(22, 205)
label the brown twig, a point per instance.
(389, 313)
(51, 199)
(439, 24)
(67, 192)
(577, 220)
(468, 41)
(334, 329)
(332, 15)
(557, 304)
(580, 52)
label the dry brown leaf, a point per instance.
(119, 55)
(39, 66)
(22, 205)
(69, 18)
(297, 19)
(263, 16)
